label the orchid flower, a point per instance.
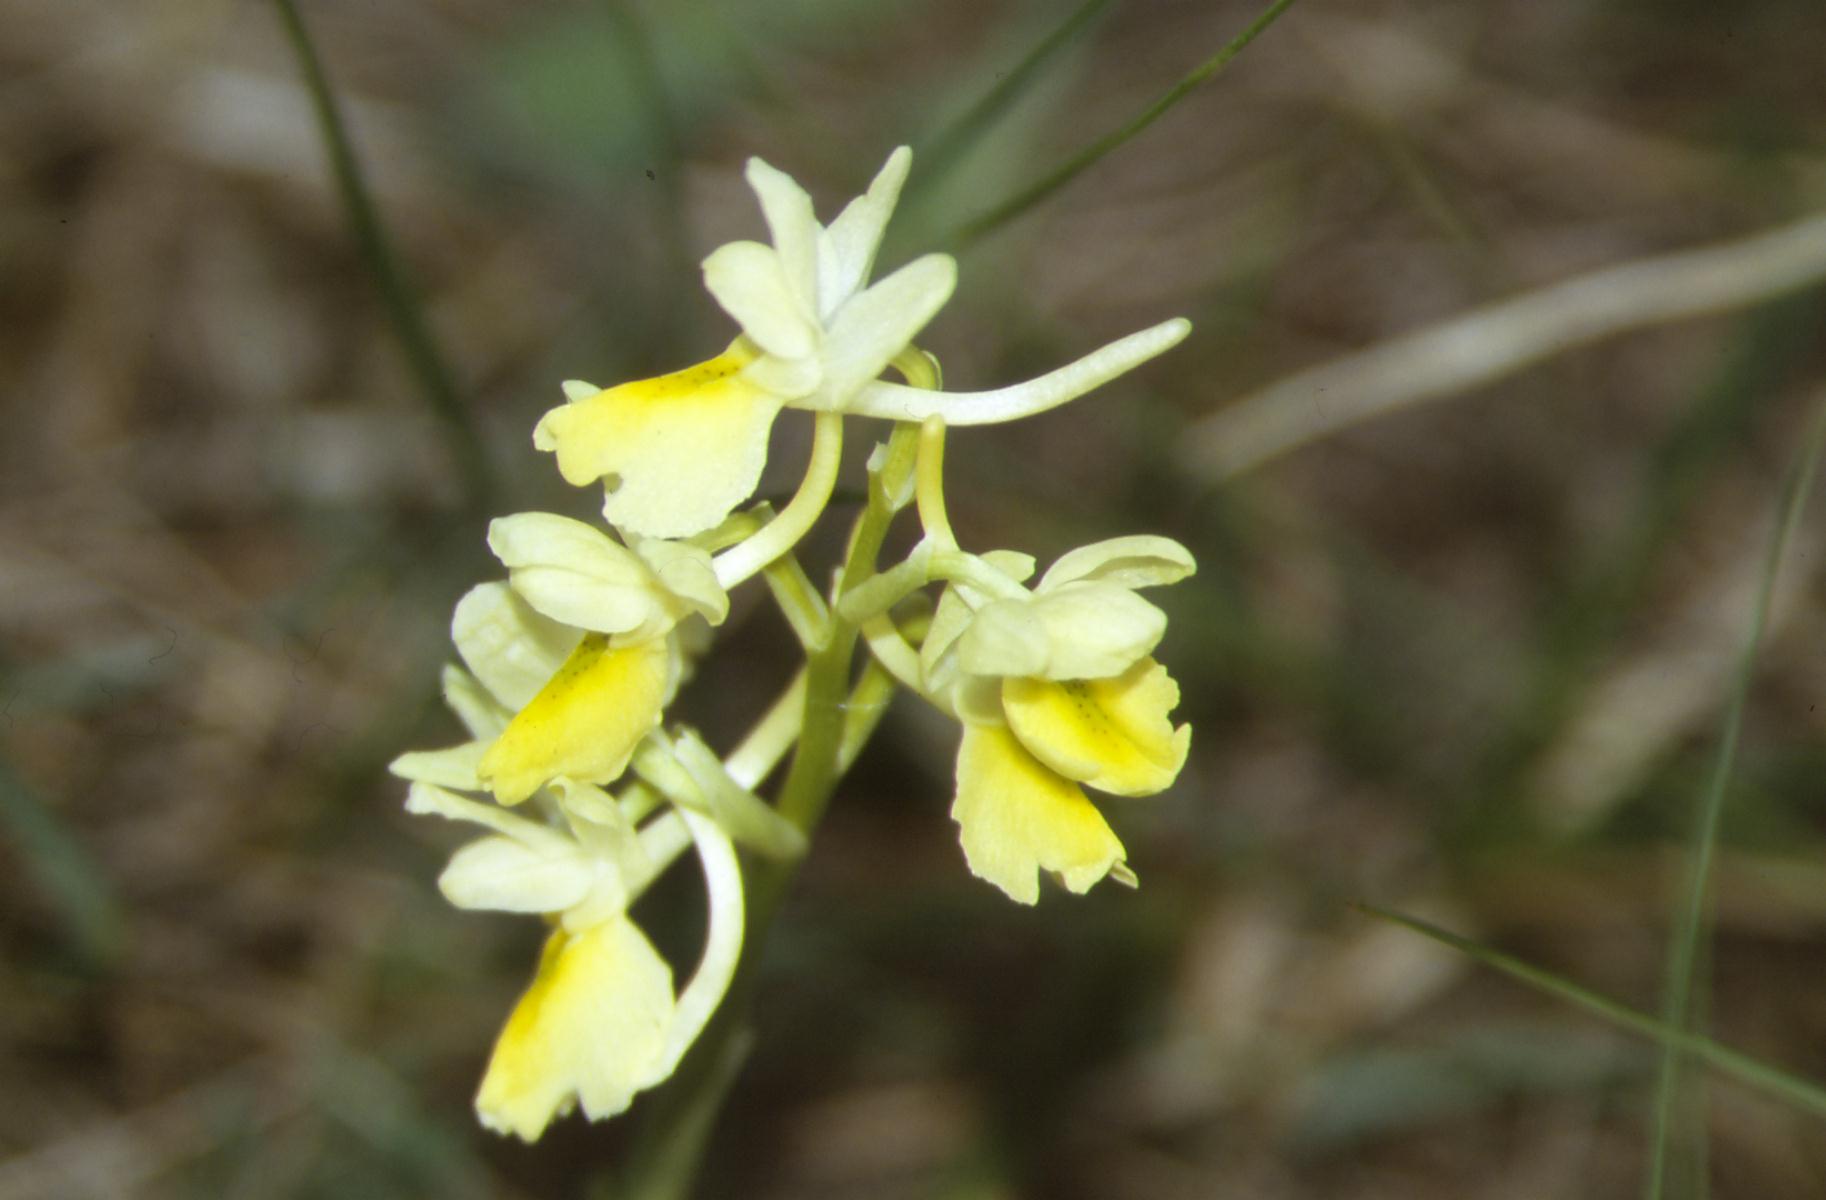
(574, 655)
(600, 1021)
(678, 452)
(1056, 688)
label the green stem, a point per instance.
(798, 601)
(835, 724)
(401, 302)
(812, 778)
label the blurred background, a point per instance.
(1462, 642)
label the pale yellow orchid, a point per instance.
(600, 1021)
(575, 655)
(1056, 689)
(677, 453)
(568, 664)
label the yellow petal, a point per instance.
(584, 723)
(591, 1028)
(1018, 818)
(1111, 734)
(676, 453)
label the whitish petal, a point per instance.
(937, 659)
(590, 1028)
(512, 649)
(875, 326)
(787, 378)
(897, 402)
(846, 249)
(1080, 631)
(750, 283)
(574, 573)
(790, 220)
(1006, 637)
(676, 453)
(454, 767)
(425, 799)
(507, 875)
(1110, 734)
(603, 829)
(1143, 560)
(957, 604)
(585, 722)
(685, 571)
(483, 715)
(1017, 818)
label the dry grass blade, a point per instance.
(1466, 352)
(132, 1150)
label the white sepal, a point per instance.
(483, 715)
(869, 330)
(454, 767)
(749, 281)
(1138, 561)
(788, 212)
(509, 647)
(847, 246)
(505, 874)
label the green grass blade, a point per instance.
(1690, 925)
(1803, 1094)
(401, 302)
(70, 877)
(937, 159)
(1072, 167)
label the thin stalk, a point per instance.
(1803, 1094)
(1690, 925)
(798, 601)
(1072, 167)
(783, 532)
(930, 490)
(937, 160)
(404, 311)
(892, 651)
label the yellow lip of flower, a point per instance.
(1110, 734)
(511, 652)
(1017, 817)
(590, 1028)
(544, 699)
(678, 452)
(585, 722)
